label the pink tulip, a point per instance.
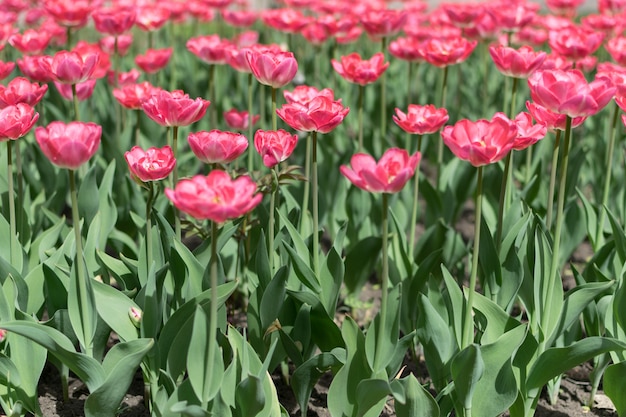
(274, 146)
(174, 108)
(69, 145)
(518, 63)
(388, 175)
(239, 120)
(482, 142)
(360, 71)
(275, 69)
(16, 121)
(421, 120)
(217, 147)
(70, 67)
(527, 132)
(215, 197)
(20, 90)
(150, 165)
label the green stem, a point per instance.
(250, 137)
(175, 180)
(270, 227)
(274, 117)
(555, 159)
(383, 96)
(20, 185)
(555, 264)
(384, 278)
(529, 159)
(213, 308)
(508, 164)
(409, 100)
(68, 32)
(444, 87)
(307, 183)
(75, 100)
(361, 94)
(468, 328)
(262, 109)
(137, 126)
(316, 242)
(13, 237)
(608, 162)
(211, 88)
(80, 266)
(415, 204)
(116, 68)
(149, 202)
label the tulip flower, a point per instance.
(567, 92)
(150, 165)
(240, 18)
(83, 90)
(6, 68)
(31, 42)
(442, 52)
(70, 67)
(575, 42)
(303, 94)
(553, 121)
(518, 63)
(69, 145)
(30, 67)
(527, 133)
(124, 42)
(153, 60)
(285, 20)
(20, 90)
(240, 120)
(421, 120)
(383, 23)
(133, 95)
(69, 13)
(274, 146)
(360, 71)
(272, 68)
(114, 21)
(321, 114)
(217, 147)
(174, 108)
(210, 48)
(215, 197)
(152, 17)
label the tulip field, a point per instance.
(323, 208)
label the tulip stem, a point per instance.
(116, 68)
(554, 266)
(270, 227)
(13, 237)
(263, 104)
(361, 94)
(175, 180)
(607, 179)
(384, 281)
(415, 203)
(316, 242)
(468, 328)
(307, 183)
(75, 100)
(444, 87)
(274, 121)
(250, 138)
(83, 284)
(529, 159)
(137, 126)
(20, 186)
(409, 100)
(383, 96)
(555, 159)
(149, 202)
(213, 308)
(212, 109)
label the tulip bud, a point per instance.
(135, 315)
(3, 335)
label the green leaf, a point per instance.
(332, 273)
(262, 263)
(615, 386)
(360, 262)
(301, 249)
(380, 351)
(87, 369)
(249, 397)
(456, 304)
(576, 300)
(489, 261)
(498, 322)
(303, 271)
(371, 395)
(418, 402)
(591, 218)
(306, 375)
(436, 339)
(205, 373)
(120, 365)
(114, 308)
(467, 368)
(555, 361)
(273, 298)
(118, 269)
(497, 390)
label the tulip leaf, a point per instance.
(371, 395)
(332, 273)
(615, 386)
(360, 262)
(467, 368)
(307, 374)
(555, 361)
(497, 321)
(489, 261)
(249, 397)
(114, 308)
(120, 366)
(418, 402)
(273, 297)
(456, 303)
(118, 270)
(303, 270)
(380, 351)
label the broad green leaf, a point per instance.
(590, 216)
(438, 342)
(380, 351)
(249, 397)
(114, 308)
(618, 236)
(35, 280)
(360, 262)
(371, 395)
(332, 273)
(301, 249)
(81, 307)
(306, 375)
(555, 361)
(498, 322)
(615, 385)
(455, 304)
(205, 373)
(87, 369)
(262, 263)
(418, 401)
(575, 302)
(497, 389)
(273, 297)
(324, 331)
(118, 269)
(120, 365)
(489, 261)
(467, 368)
